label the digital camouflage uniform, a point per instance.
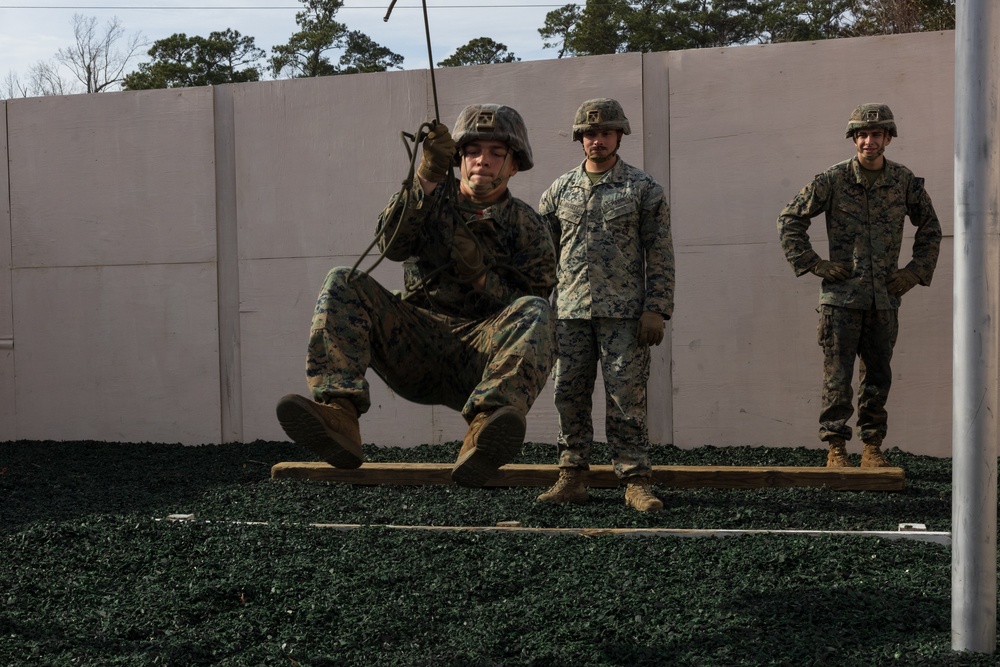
(615, 260)
(440, 341)
(858, 316)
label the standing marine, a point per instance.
(864, 201)
(610, 223)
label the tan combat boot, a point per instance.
(330, 430)
(837, 456)
(640, 496)
(872, 456)
(568, 488)
(493, 440)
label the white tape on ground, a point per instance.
(915, 535)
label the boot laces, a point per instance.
(565, 481)
(640, 492)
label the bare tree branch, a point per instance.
(98, 59)
(12, 87)
(43, 79)
(46, 80)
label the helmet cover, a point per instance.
(871, 115)
(602, 113)
(478, 122)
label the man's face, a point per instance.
(484, 161)
(600, 145)
(871, 143)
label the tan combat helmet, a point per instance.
(871, 115)
(602, 113)
(498, 122)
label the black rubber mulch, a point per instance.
(92, 573)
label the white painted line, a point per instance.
(915, 535)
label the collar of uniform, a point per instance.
(616, 172)
(498, 211)
(859, 177)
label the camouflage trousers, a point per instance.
(613, 343)
(468, 365)
(846, 333)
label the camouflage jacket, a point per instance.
(864, 225)
(419, 230)
(613, 241)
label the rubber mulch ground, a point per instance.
(92, 573)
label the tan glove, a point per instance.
(901, 282)
(832, 271)
(650, 328)
(438, 155)
(467, 255)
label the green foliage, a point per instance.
(806, 20)
(361, 54)
(307, 53)
(180, 61)
(479, 51)
(601, 29)
(619, 26)
(700, 24)
(887, 17)
(560, 26)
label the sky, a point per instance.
(34, 30)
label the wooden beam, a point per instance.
(602, 476)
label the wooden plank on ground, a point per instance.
(602, 476)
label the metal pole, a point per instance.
(975, 377)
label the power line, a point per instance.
(279, 7)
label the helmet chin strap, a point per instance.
(480, 191)
(602, 160)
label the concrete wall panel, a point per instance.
(655, 134)
(118, 353)
(6, 316)
(116, 178)
(7, 431)
(317, 160)
(920, 405)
